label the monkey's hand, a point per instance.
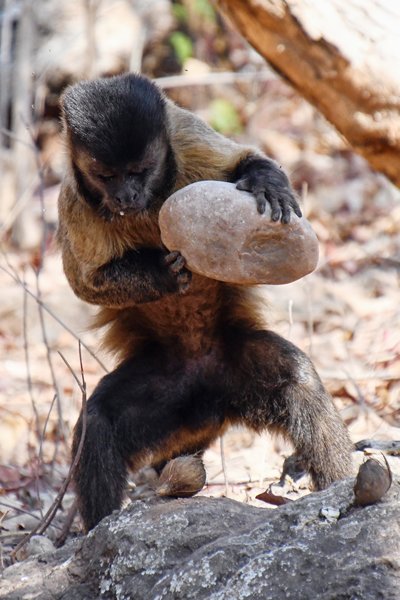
(139, 276)
(176, 266)
(268, 183)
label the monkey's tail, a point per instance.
(101, 473)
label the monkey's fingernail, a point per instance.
(121, 212)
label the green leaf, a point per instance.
(224, 117)
(182, 45)
(205, 9)
(180, 13)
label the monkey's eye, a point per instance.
(106, 177)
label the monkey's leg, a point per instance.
(144, 412)
(281, 391)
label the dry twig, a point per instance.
(11, 272)
(49, 516)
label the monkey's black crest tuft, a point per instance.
(114, 117)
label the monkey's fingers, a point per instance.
(281, 201)
(279, 210)
(295, 206)
(171, 257)
(262, 198)
(285, 204)
(175, 262)
(184, 279)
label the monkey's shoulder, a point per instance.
(200, 152)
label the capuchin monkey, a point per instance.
(193, 354)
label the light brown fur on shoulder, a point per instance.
(202, 152)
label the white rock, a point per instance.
(219, 231)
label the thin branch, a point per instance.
(49, 516)
(45, 425)
(31, 395)
(28, 365)
(14, 275)
(67, 524)
(72, 372)
(43, 436)
(51, 367)
(223, 463)
(19, 510)
(90, 8)
(218, 78)
(13, 136)
(5, 62)
(290, 317)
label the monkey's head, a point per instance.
(118, 142)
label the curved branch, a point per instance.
(342, 57)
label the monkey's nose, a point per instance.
(126, 200)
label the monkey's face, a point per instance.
(128, 187)
(117, 136)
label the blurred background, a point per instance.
(345, 315)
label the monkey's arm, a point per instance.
(202, 153)
(139, 276)
(105, 269)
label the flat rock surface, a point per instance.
(219, 231)
(219, 549)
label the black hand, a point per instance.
(143, 275)
(269, 183)
(176, 265)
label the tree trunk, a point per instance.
(343, 57)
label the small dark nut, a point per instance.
(373, 481)
(181, 477)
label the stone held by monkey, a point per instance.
(219, 231)
(193, 354)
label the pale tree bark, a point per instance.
(341, 55)
(26, 232)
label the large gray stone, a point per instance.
(219, 549)
(219, 231)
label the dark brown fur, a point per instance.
(189, 364)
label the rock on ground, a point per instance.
(219, 549)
